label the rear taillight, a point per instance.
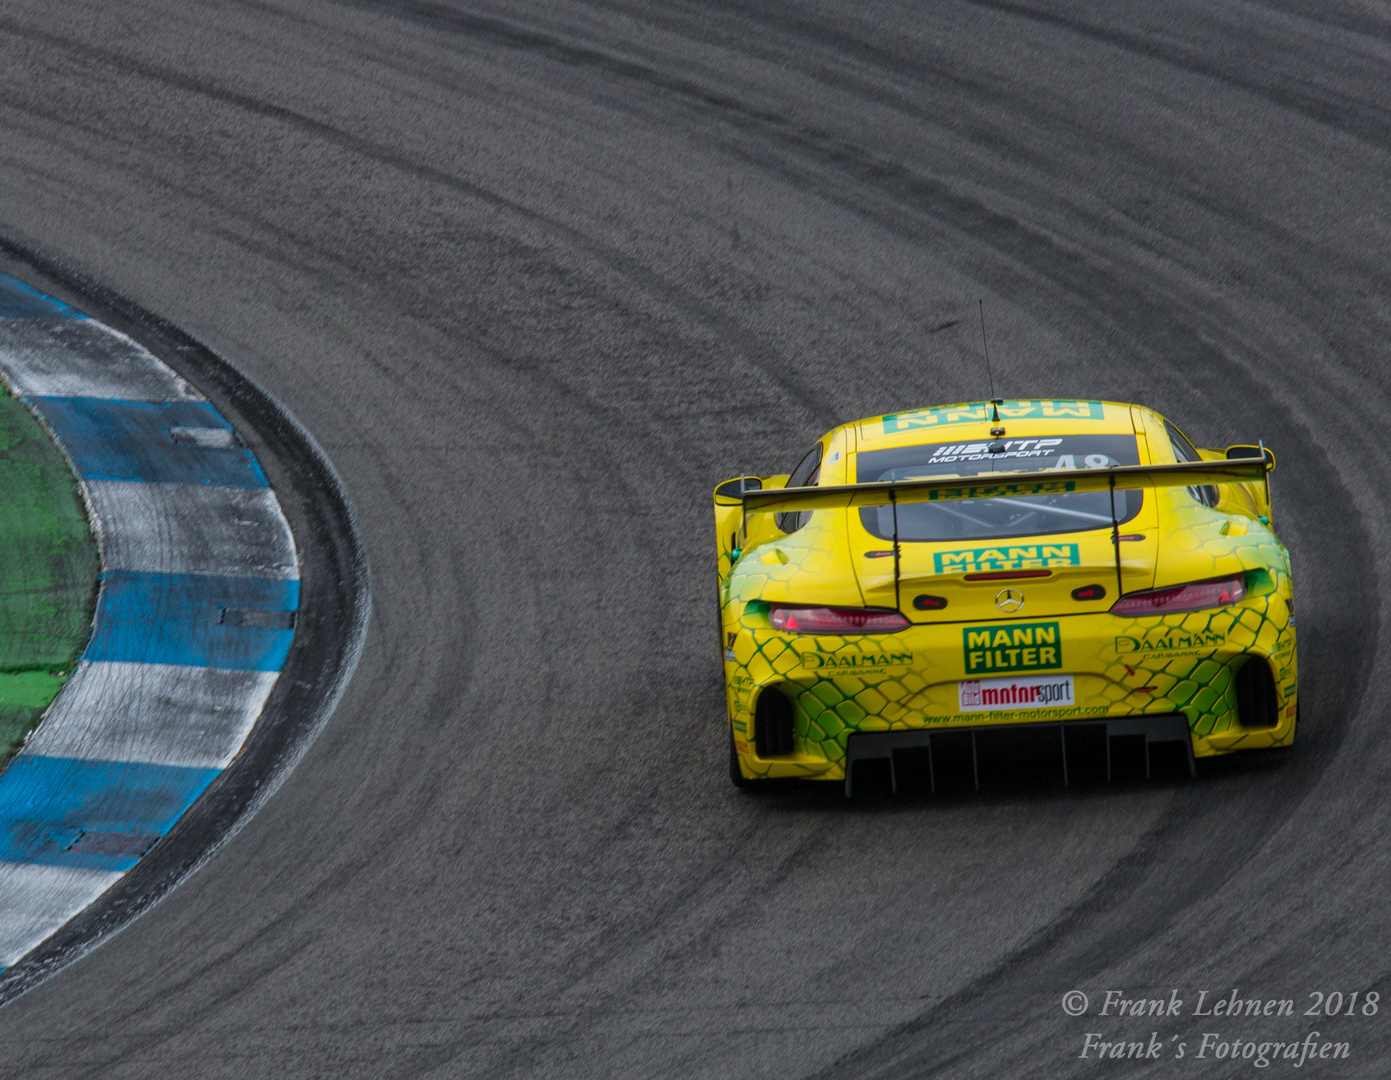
(835, 620)
(1191, 597)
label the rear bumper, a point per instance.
(845, 689)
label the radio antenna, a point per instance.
(989, 374)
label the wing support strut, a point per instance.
(893, 502)
(1116, 535)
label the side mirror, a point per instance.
(727, 493)
(1251, 452)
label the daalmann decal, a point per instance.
(817, 660)
(1171, 641)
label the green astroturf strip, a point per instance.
(48, 572)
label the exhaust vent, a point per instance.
(773, 724)
(1257, 701)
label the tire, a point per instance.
(737, 778)
(719, 621)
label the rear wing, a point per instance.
(1005, 485)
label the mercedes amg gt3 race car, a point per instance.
(1067, 582)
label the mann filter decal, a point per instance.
(1012, 557)
(941, 416)
(1026, 692)
(1017, 647)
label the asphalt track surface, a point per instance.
(536, 277)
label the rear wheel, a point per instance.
(736, 777)
(719, 620)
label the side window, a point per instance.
(807, 472)
(1207, 494)
(1183, 449)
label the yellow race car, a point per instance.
(939, 593)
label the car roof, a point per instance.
(973, 419)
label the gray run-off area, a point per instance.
(537, 276)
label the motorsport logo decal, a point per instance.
(1028, 692)
(1171, 641)
(1018, 647)
(1025, 557)
(942, 415)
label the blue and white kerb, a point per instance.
(194, 618)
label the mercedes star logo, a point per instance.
(1009, 600)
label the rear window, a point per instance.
(990, 519)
